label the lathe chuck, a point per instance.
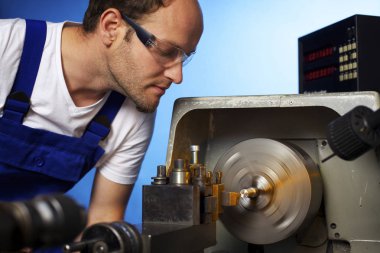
(281, 185)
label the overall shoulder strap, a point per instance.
(18, 101)
(100, 125)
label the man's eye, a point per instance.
(169, 52)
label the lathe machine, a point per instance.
(245, 174)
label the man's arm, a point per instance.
(108, 200)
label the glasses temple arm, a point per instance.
(143, 35)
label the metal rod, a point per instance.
(249, 192)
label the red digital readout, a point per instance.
(319, 73)
(319, 54)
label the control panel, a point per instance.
(342, 57)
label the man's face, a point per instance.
(137, 70)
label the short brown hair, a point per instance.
(132, 8)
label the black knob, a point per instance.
(351, 135)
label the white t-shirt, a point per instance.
(53, 109)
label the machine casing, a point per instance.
(349, 218)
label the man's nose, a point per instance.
(174, 73)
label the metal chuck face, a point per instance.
(280, 190)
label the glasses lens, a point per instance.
(170, 54)
(168, 51)
(187, 58)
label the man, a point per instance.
(136, 48)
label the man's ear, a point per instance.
(110, 23)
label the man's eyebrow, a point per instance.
(176, 45)
(173, 43)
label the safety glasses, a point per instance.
(166, 53)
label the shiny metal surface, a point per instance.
(289, 189)
(180, 175)
(251, 192)
(221, 121)
(160, 178)
(194, 153)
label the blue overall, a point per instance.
(35, 161)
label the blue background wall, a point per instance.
(249, 47)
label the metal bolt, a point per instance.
(179, 164)
(194, 153)
(161, 171)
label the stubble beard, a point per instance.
(128, 82)
(136, 93)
